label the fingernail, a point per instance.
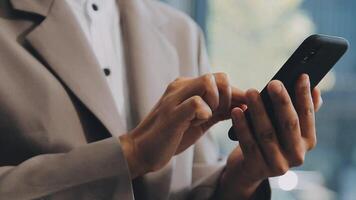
(275, 88)
(244, 107)
(306, 81)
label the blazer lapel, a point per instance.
(152, 64)
(62, 45)
(152, 60)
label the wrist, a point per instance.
(131, 154)
(233, 187)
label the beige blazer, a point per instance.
(58, 125)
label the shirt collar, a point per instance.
(87, 5)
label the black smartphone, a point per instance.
(315, 57)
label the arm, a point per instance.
(178, 120)
(46, 174)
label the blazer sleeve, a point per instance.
(46, 174)
(208, 165)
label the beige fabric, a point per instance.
(58, 128)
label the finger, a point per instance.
(238, 97)
(225, 91)
(194, 109)
(238, 100)
(305, 109)
(265, 134)
(251, 151)
(317, 99)
(243, 107)
(204, 86)
(289, 134)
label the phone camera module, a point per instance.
(307, 57)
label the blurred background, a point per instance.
(250, 40)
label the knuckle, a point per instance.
(280, 169)
(179, 79)
(250, 147)
(224, 83)
(207, 79)
(298, 159)
(173, 86)
(166, 99)
(266, 135)
(176, 83)
(252, 94)
(312, 143)
(206, 115)
(296, 155)
(308, 111)
(222, 76)
(291, 125)
(224, 86)
(196, 102)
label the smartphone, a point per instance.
(315, 57)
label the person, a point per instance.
(114, 100)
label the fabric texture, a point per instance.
(100, 22)
(58, 124)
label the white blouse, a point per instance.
(100, 22)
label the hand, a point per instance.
(267, 151)
(188, 108)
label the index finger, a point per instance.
(204, 86)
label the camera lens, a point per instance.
(312, 51)
(305, 59)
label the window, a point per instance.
(250, 40)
